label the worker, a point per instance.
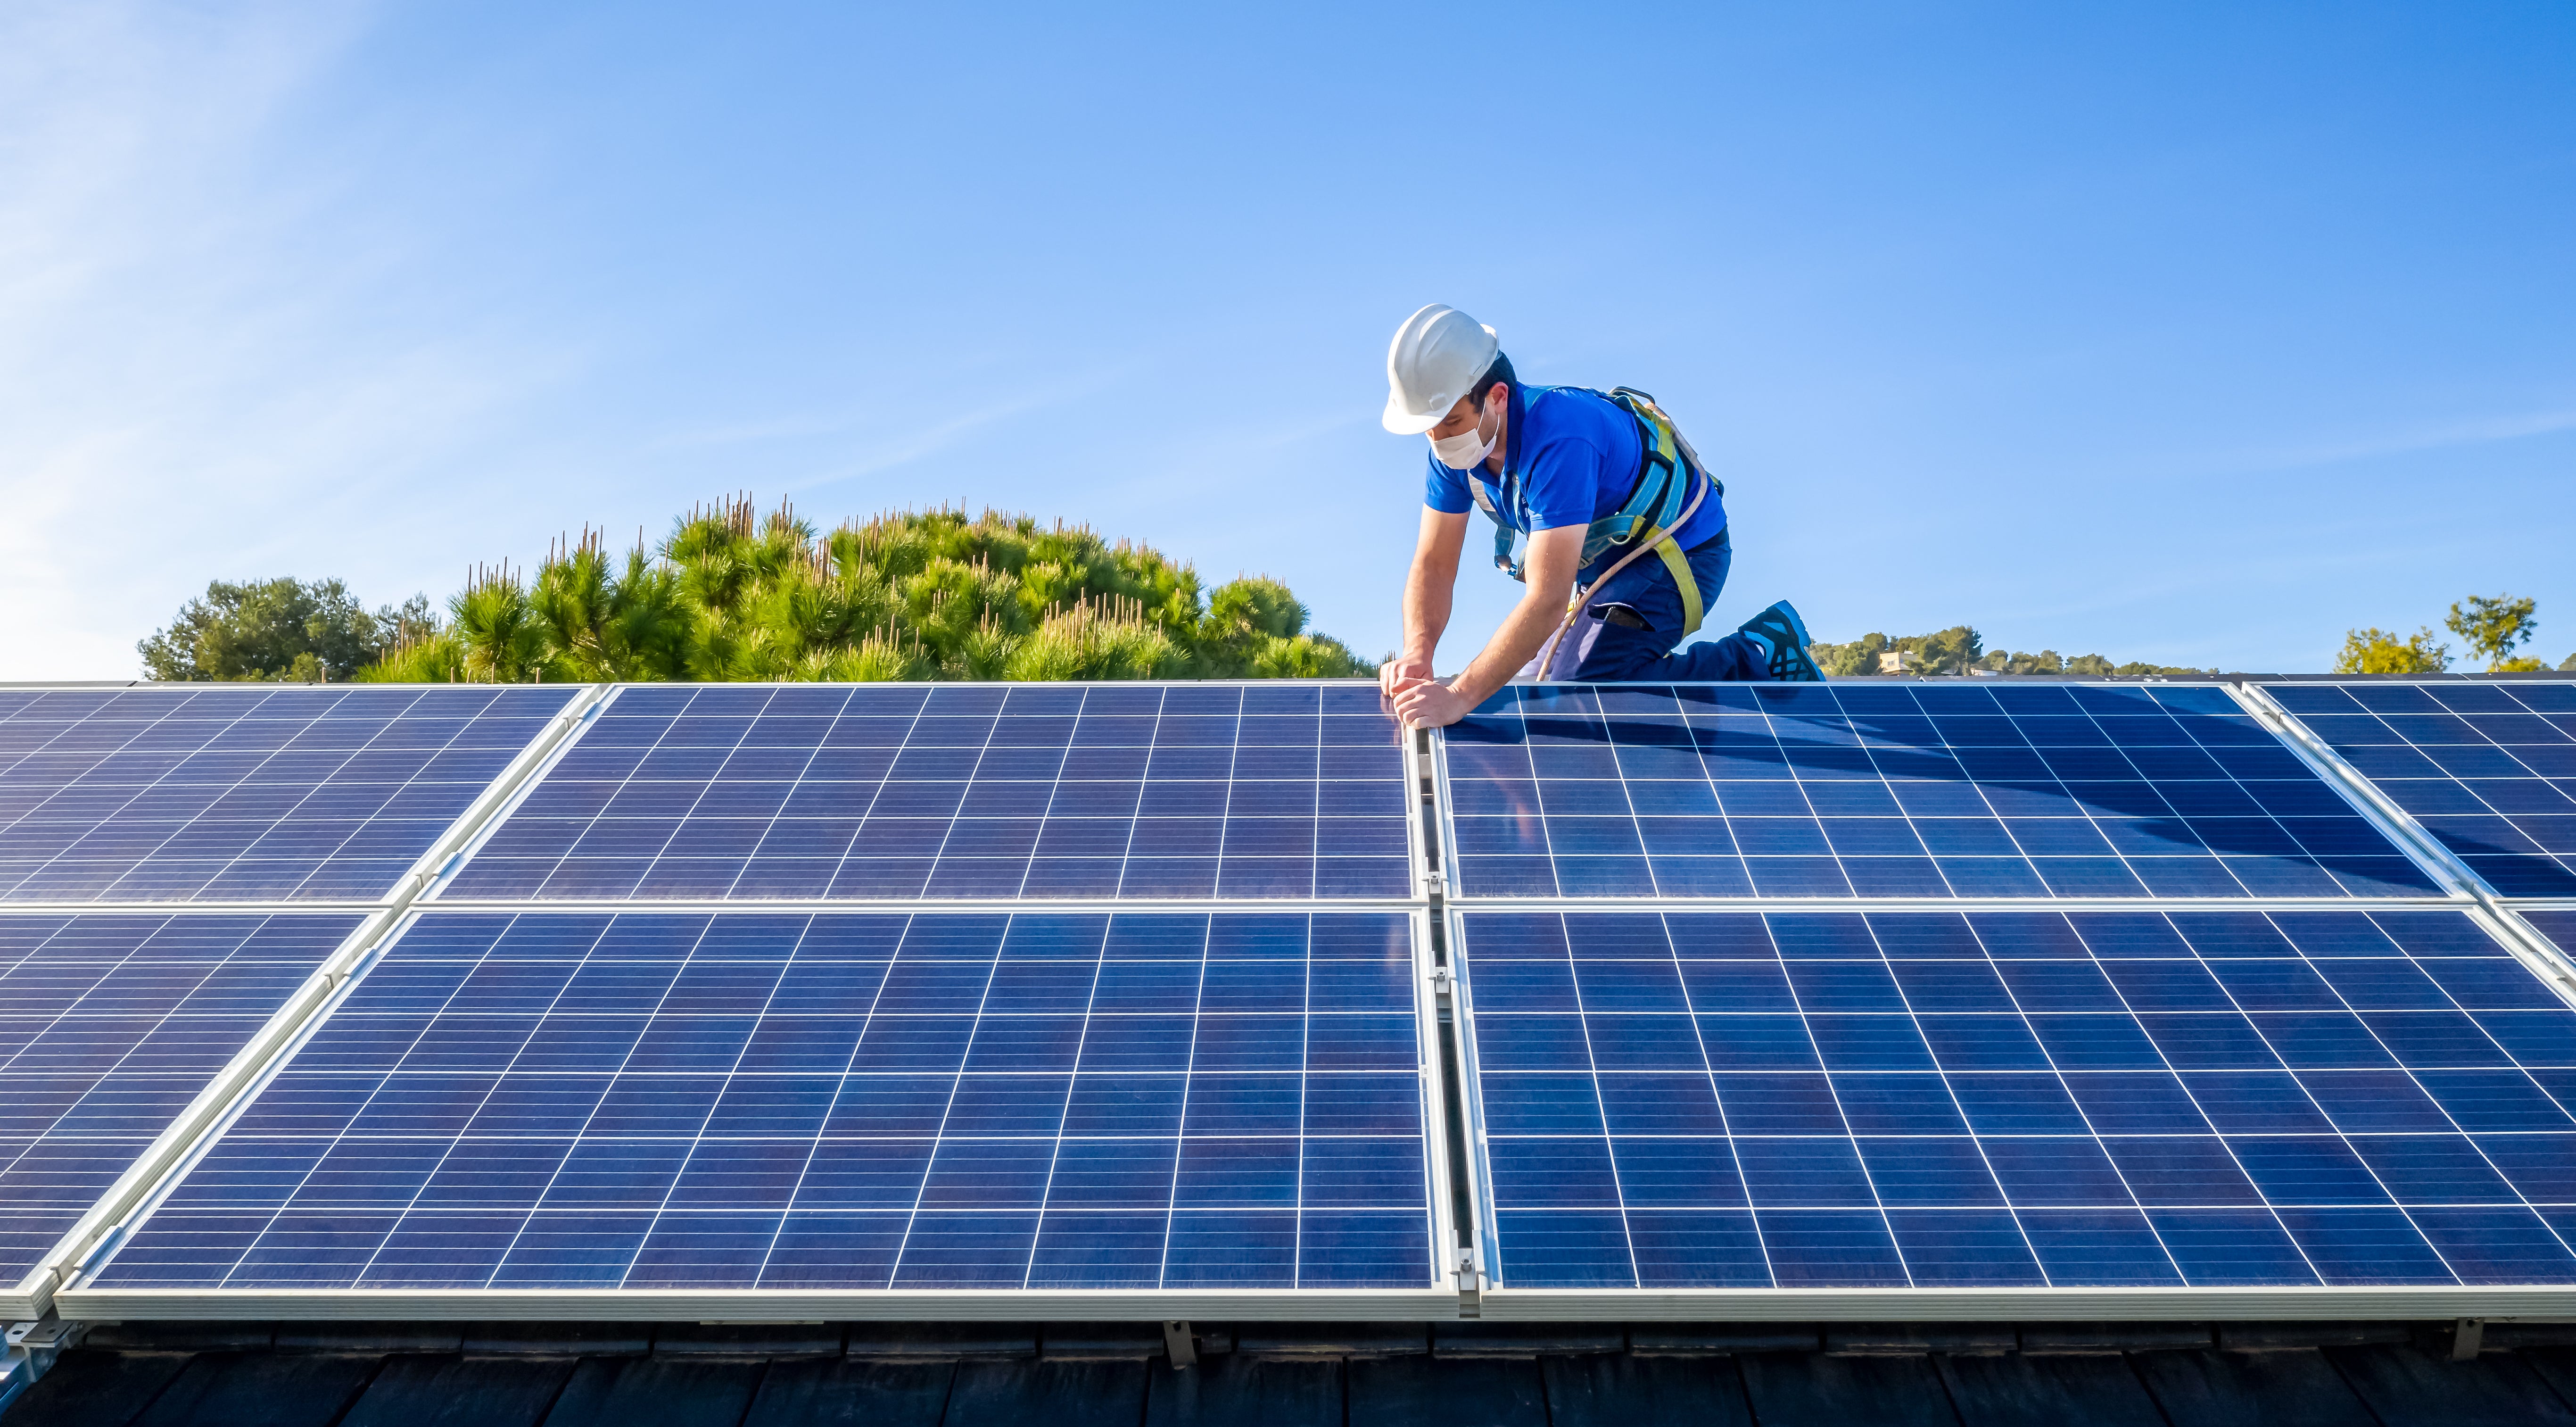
(1598, 505)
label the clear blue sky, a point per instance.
(2187, 333)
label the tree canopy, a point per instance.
(282, 629)
(2379, 651)
(2495, 626)
(736, 595)
(1947, 651)
(1959, 649)
(2085, 666)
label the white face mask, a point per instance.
(1467, 449)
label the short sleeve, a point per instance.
(1445, 490)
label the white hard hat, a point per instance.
(1436, 355)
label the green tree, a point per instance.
(602, 622)
(2494, 627)
(733, 594)
(1955, 650)
(2046, 661)
(281, 629)
(2087, 666)
(1960, 649)
(1844, 661)
(1947, 651)
(2377, 651)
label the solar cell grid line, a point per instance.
(244, 792)
(2488, 769)
(647, 1107)
(2038, 1101)
(110, 1025)
(963, 792)
(1761, 791)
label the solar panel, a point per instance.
(2489, 769)
(109, 1027)
(243, 792)
(843, 1101)
(1898, 790)
(1032, 990)
(2017, 1099)
(894, 792)
(2558, 926)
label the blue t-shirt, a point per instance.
(1572, 459)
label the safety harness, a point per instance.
(1668, 488)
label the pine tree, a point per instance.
(733, 594)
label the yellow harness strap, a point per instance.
(1676, 562)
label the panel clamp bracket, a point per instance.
(1471, 1284)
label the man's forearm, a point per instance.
(1514, 645)
(1554, 557)
(1427, 596)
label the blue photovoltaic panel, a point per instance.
(2559, 927)
(2489, 769)
(1837, 790)
(2026, 1099)
(109, 1026)
(243, 792)
(836, 1101)
(880, 792)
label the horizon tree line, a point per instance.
(735, 595)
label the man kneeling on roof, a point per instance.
(1598, 505)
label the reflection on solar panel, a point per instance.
(966, 791)
(1833, 790)
(835, 1101)
(2003, 1099)
(243, 793)
(2489, 769)
(109, 1026)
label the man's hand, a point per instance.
(1428, 704)
(1394, 674)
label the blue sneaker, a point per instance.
(1779, 630)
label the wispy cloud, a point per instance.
(900, 448)
(2429, 436)
(183, 391)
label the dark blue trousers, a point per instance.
(1602, 648)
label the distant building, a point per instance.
(1896, 661)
